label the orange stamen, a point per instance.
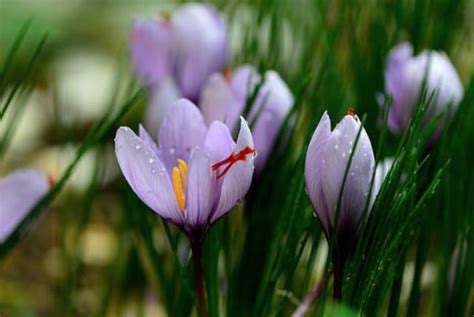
(232, 159)
(165, 19)
(227, 73)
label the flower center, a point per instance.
(232, 159)
(180, 172)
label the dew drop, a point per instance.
(344, 154)
(153, 170)
(238, 202)
(138, 147)
(336, 147)
(172, 150)
(352, 174)
(151, 160)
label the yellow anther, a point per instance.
(183, 171)
(179, 182)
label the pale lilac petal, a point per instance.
(199, 44)
(146, 174)
(278, 100)
(380, 173)
(218, 101)
(237, 181)
(243, 83)
(444, 82)
(161, 100)
(151, 50)
(19, 192)
(182, 130)
(313, 171)
(359, 176)
(218, 143)
(143, 133)
(201, 188)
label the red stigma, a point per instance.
(232, 159)
(51, 180)
(350, 112)
(165, 19)
(227, 73)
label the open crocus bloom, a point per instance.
(326, 160)
(175, 56)
(224, 98)
(19, 192)
(404, 76)
(195, 174)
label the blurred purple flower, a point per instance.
(326, 160)
(195, 174)
(404, 75)
(224, 97)
(19, 192)
(185, 48)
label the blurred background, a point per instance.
(83, 257)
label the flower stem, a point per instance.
(196, 248)
(339, 263)
(309, 299)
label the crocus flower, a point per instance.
(195, 174)
(326, 160)
(224, 98)
(404, 76)
(19, 192)
(325, 166)
(182, 50)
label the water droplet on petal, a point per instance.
(344, 154)
(151, 160)
(336, 147)
(138, 147)
(172, 150)
(153, 170)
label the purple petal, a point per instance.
(396, 84)
(278, 102)
(201, 188)
(151, 50)
(237, 181)
(200, 46)
(359, 175)
(380, 173)
(182, 130)
(313, 171)
(243, 83)
(148, 140)
(146, 174)
(20, 191)
(218, 101)
(218, 143)
(161, 100)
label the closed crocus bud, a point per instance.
(326, 160)
(19, 192)
(224, 98)
(404, 76)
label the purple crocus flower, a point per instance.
(175, 55)
(19, 192)
(326, 160)
(195, 174)
(325, 166)
(404, 76)
(224, 98)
